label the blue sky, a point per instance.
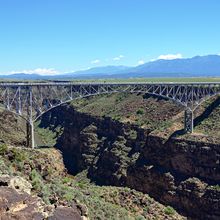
(56, 36)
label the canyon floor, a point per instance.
(119, 156)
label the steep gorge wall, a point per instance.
(174, 171)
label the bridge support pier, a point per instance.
(30, 123)
(30, 135)
(188, 120)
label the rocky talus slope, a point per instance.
(142, 148)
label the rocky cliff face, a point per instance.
(176, 171)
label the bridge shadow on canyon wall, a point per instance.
(207, 112)
(66, 125)
(62, 118)
(65, 118)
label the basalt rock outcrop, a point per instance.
(17, 202)
(176, 171)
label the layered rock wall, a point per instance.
(177, 172)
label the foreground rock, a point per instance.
(66, 213)
(17, 203)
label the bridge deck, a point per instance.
(107, 83)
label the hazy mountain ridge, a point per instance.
(198, 66)
(102, 70)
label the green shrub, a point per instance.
(140, 217)
(81, 185)
(19, 155)
(133, 134)
(164, 125)
(36, 180)
(46, 192)
(68, 196)
(169, 210)
(3, 149)
(140, 111)
(216, 187)
(20, 165)
(119, 99)
(67, 180)
(4, 168)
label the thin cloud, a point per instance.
(95, 61)
(118, 57)
(140, 62)
(40, 71)
(170, 56)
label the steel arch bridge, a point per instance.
(31, 100)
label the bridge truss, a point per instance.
(31, 100)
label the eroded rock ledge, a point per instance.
(177, 172)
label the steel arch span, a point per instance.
(31, 100)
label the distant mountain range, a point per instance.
(199, 66)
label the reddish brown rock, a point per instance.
(66, 213)
(22, 206)
(16, 204)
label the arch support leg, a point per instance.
(188, 121)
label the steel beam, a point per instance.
(188, 121)
(33, 99)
